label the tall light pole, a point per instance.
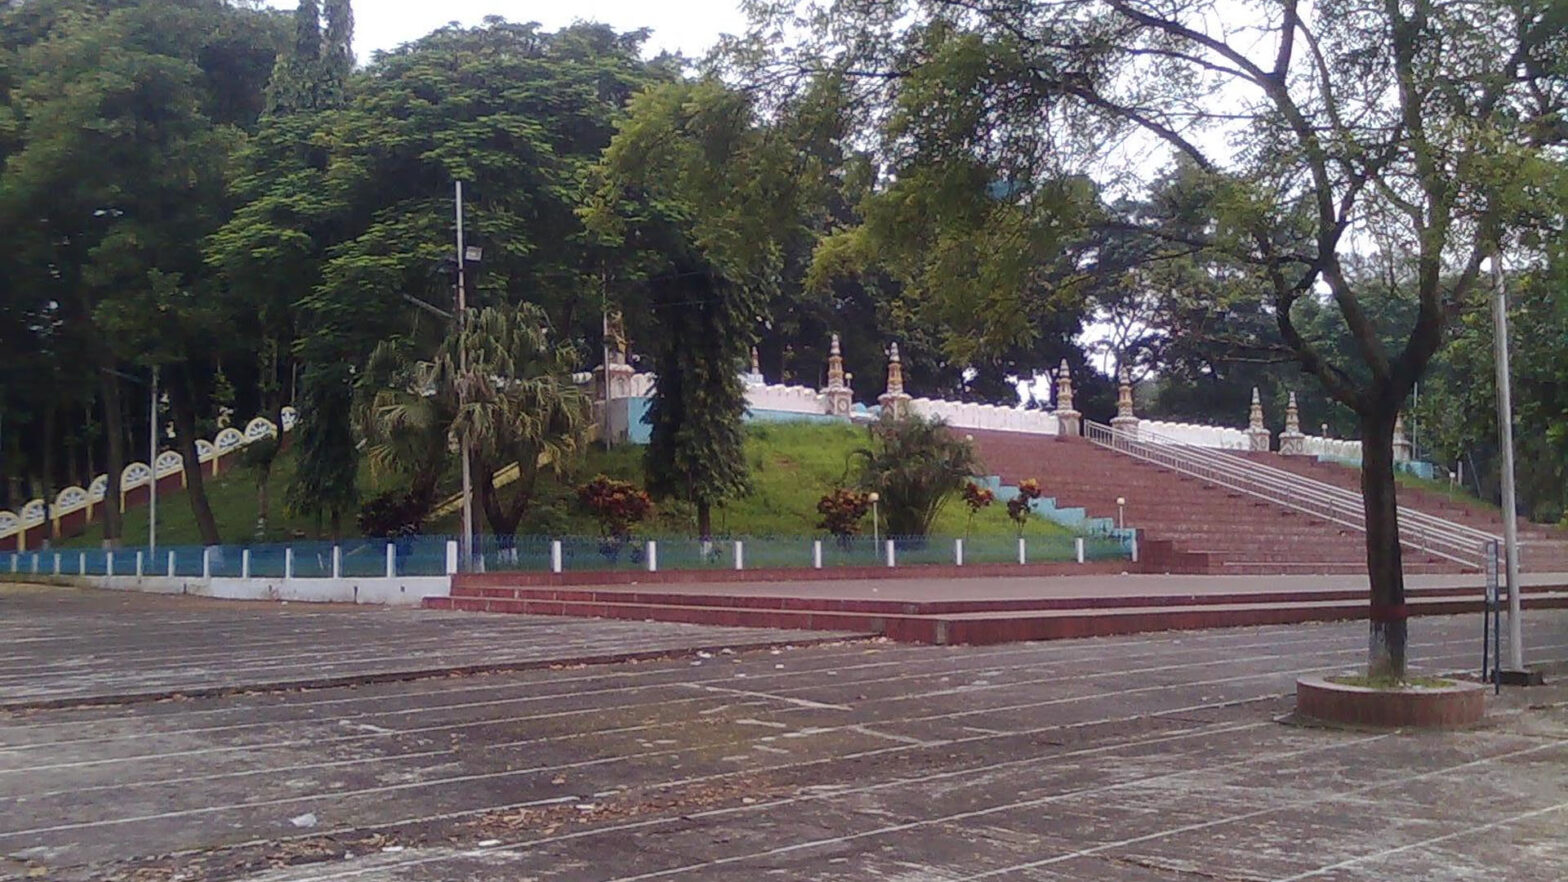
(152, 463)
(1505, 430)
(467, 542)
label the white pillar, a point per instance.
(139, 564)
(653, 556)
(451, 557)
(555, 555)
(740, 554)
(81, 563)
(391, 561)
(1135, 546)
(108, 563)
(958, 552)
(1023, 553)
(816, 554)
(337, 561)
(56, 563)
(171, 564)
(892, 559)
(1078, 547)
(288, 563)
(35, 563)
(244, 563)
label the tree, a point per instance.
(125, 117)
(499, 385)
(694, 197)
(1417, 131)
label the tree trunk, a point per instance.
(184, 412)
(47, 491)
(1385, 568)
(114, 434)
(704, 520)
(262, 500)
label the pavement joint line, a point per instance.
(1229, 819)
(1426, 843)
(1211, 729)
(447, 816)
(607, 760)
(392, 788)
(1185, 638)
(401, 676)
(797, 702)
(869, 788)
(557, 738)
(363, 736)
(1025, 649)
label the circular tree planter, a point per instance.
(1448, 704)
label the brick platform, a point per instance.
(1449, 707)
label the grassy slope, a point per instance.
(792, 465)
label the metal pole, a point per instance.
(462, 366)
(1505, 428)
(152, 462)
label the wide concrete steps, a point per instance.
(977, 621)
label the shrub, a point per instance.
(916, 465)
(1021, 506)
(842, 511)
(616, 505)
(393, 515)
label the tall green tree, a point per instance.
(125, 118)
(1417, 130)
(694, 198)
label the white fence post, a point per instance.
(337, 561)
(451, 557)
(391, 561)
(1135, 546)
(244, 563)
(816, 554)
(892, 558)
(1023, 551)
(1078, 546)
(108, 563)
(35, 563)
(958, 552)
(56, 563)
(171, 564)
(555, 555)
(81, 563)
(288, 563)
(206, 562)
(653, 556)
(139, 564)
(740, 554)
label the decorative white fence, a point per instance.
(139, 474)
(969, 415)
(1194, 435)
(1331, 448)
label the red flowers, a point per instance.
(1020, 506)
(842, 511)
(616, 504)
(977, 497)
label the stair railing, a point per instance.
(1417, 530)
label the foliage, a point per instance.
(616, 505)
(842, 511)
(393, 515)
(976, 499)
(915, 465)
(1021, 506)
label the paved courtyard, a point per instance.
(723, 754)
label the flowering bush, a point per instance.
(977, 497)
(617, 505)
(842, 511)
(1020, 506)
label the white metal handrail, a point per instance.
(1418, 530)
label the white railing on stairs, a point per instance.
(1417, 530)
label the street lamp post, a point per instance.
(467, 542)
(152, 463)
(1121, 512)
(1505, 427)
(876, 537)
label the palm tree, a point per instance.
(499, 385)
(915, 465)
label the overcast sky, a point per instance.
(689, 26)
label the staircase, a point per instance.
(1542, 548)
(1192, 523)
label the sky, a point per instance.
(688, 26)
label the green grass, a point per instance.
(792, 465)
(1456, 492)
